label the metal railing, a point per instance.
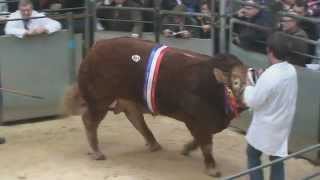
(311, 176)
(158, 15)
(267, 29)
(246, 172)
(312, 20)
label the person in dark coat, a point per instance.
(78, 24)
(251, 38)
(291, 26)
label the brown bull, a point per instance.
(190, 88)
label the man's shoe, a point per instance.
(2, 140)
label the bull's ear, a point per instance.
(220, 75)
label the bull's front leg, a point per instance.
(204, 140)
(211, 169)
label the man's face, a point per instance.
(288, 24)
(250, 11)
(26, 10)
(205, 9)
(179, 19)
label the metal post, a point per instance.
(93, 18)
(1, 96)
(87, 27)
(71, 48)
(90, 25)
(157, 21)
(222, 15)
(213, 14)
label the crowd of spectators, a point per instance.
(200, 26)
(267, 15)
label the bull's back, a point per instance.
(115, 68)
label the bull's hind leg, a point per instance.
(135, 116)
(91, 120)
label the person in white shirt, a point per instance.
(273, 101)
(30, 27)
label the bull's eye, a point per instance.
(236, 83)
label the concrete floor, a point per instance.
(57, 150)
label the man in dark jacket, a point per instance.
(291, 26)
(78, 24)
(251, 38)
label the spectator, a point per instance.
(310, 28)
(135, 28)
(30, 27)
(291, 26)
(180, 31)
(313, 7)
(78, 24)
(190, 5)
(313, 10)
(251, 38)
(3, 9)
(205, 31)
(50, 4)
(148, 16)
(317, 53)
(282, 5)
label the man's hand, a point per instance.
(167, 33)
(36, 31)
(206, 28)
(241, 12)
(30, 33)
(186, 34)
(41, 30)
(253, 76)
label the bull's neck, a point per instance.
(230, 104)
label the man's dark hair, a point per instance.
(280, 45)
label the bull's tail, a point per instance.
(73, 103)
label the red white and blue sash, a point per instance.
(151, 76)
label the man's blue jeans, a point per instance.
(254, 155)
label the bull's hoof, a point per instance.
(188, 148)
(97, 156)
(213, 172)
(185, 152)
(154, 147)
(2, 140)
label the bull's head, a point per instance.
(234, 77)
